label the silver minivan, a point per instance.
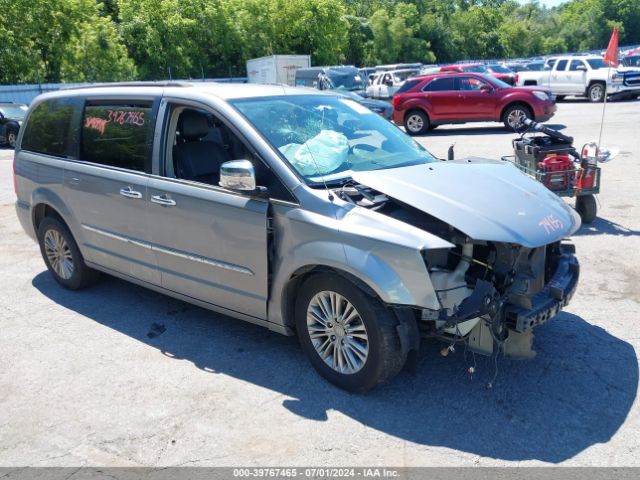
(300, 211)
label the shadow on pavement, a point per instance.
(602, 226)
(576, 393)
(443, 131)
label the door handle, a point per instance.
(163, 200)
(130, 193)
(74, 181)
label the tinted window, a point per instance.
(573, 66)
(409, 84)
(596, 63)
(440, 85)
(48, 127)
(562, 64)
(119, 135)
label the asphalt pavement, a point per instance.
(118, 375)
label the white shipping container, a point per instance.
(276, 68)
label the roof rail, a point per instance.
(158, 83)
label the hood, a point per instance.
(485, 199)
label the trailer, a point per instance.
(276, 68)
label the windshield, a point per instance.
(499, 69)
(13, 111)
(326, 138)
(475, 69)
(632, 61)
(348, 81)
(597, 63)
(496, 82)
(399, 77)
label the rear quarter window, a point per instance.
(49, 127)
(408, 85)
(118, 135)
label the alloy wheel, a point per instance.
(415, 123)
(515, 117)
(337, 332)
(597, 93)
(12, 137)
(59, 254)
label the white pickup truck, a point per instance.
(385, 84)
(585, 76)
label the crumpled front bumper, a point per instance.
(549, 301)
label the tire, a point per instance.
(559, 98)
(416, 122)
(373, 354)
(596, 92)
(513, 112)
(12, 137)
(62, 257)
(587, 208)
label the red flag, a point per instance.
(611, 55)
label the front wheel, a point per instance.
(12, 137)
(596, 92)
(62, 256)
(513, 116)
(587, 208)
(350, 337)
(416, 122)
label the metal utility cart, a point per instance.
(552, 160)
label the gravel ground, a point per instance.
(118, 375)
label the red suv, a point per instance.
(425, 102)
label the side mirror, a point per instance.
(238, 175)
(486, 88)
(389, 83)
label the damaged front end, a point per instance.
(510, 269)
(497, 293)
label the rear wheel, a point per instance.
(596, 92)
(587, 208)
(350, 337)
(62, 257)
(559, 98)
(416, 122)
(514, 114)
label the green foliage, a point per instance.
(105, 40)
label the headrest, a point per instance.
(194, 125)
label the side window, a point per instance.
(440, 85)
(408, 85)
(49, 126)
(562, 64)
(573, 66)
(198, 143)
(118, 134)
(470, 84)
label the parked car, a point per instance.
(295, 210)
(11, 117)
(328, 78)
(378, 106)
(502, 73)
(432, 100)
(585, 76)
(386, 84)
(630, 61)
(494, 70)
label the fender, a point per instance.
(383, 253)
(45, 196)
